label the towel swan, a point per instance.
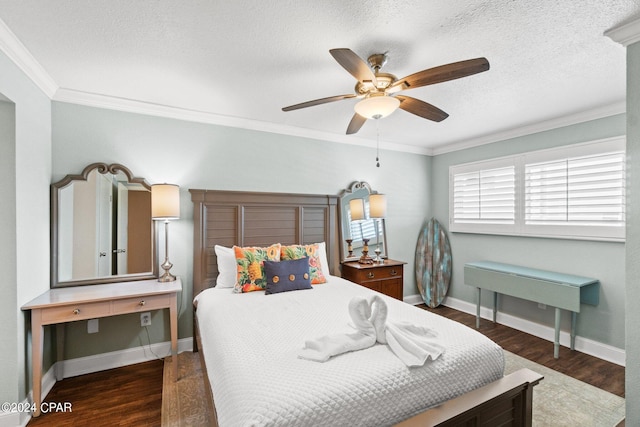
(412, 344)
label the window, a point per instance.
(485, 196)
(573, 192)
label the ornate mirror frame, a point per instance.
(358, 189)
(56, 189)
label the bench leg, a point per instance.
(495, 306)
(574, 317)
(556, 342)
(478, 293)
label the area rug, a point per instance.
(558, 401)
(562, 401)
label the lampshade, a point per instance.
(377, 206)
(165, 201)
(377, 106)
(356, 207)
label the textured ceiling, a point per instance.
(243, 60)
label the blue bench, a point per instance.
(562, 291)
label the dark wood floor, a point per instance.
(597, 372)
(127, 396)
(132, 395)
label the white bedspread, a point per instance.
(251, 342)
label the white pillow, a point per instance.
(324, 264)
(226, 267)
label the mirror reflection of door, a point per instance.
(79, 202)
(139, 231)
(120, 223)
(105, 205)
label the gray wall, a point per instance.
(603, 260)
(8, 318)
(633, 236)
(25, 161)
(204, 156)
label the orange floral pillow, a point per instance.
(250, 267)
(301, 251)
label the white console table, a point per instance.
(562, 291)
(61, 305)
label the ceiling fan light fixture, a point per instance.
(377, 106)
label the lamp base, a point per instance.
(166, 277)
(365, 259)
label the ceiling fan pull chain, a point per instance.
(377, 143)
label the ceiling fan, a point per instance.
(378, 91)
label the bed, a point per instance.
(249, 343)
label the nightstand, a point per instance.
(386, 277)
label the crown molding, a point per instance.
(572, 119)
(18, 53)
(625, 34)
(159, 110)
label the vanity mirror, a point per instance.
(101, 227)
(370, 228)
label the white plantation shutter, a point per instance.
(484, 196)
(586, 191)
(365, 229)
(575, 191)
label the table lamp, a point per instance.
(377, 212)
(165, 206)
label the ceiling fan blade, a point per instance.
(318, 102)
(355, 124)
(354, 65)
(441, 74)
(421, 108)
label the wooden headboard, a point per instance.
(240, 218)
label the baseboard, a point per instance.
(11, 419)
(86, 365)
(413, 299)
(584, 345)
(117, 359)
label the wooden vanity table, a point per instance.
(61, 305)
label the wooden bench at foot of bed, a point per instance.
(506, 402)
